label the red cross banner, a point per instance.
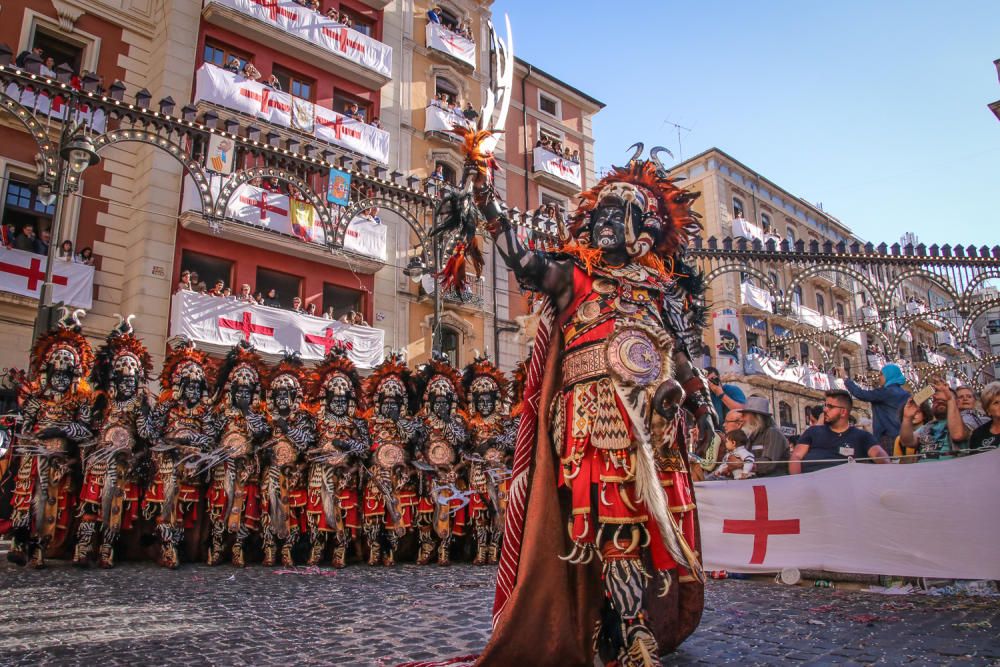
(442, 39)
(551, 163)
(24, 272)
(218, 323)
(314, 28)
(905, 520)
(236, 92)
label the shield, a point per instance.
(441, 454)
(635, 358)
(390, 455)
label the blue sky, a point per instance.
(876, 109)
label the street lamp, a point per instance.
(78, 154)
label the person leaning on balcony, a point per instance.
(297, 305)
(273, 82)
(86, 256)
(886, 399)
(725, 397)
(184, 284)
(245, 295)
(311, 309)
(767, 442)
(233, 65)
(66, 251)
(434, 15)
(251, 72)
(333, 14)
(469, 112)
(218, 289)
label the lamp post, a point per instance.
(78, 154)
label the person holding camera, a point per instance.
(725, 397)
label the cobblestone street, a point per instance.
(140, 614)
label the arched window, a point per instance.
(820, 304)
(791, 237)
(804, 353)
(737, 207)
(785, 414)
(449, 345)
(765, 222)
(797, 295)
(840, 312)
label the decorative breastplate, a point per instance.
(439, 449)
(118, 430)
(390, 450)
(236, 435)
(484, 433)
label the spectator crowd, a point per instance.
(38, 244)
(190, 281)
(463, 27)
(946, 423)
(555, 146)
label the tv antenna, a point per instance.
(680, 148)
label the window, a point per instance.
(737, 207)
(342, 103)
(449, 345)
(797, 295)
(22, 208)
(847, 367)
(444, 86)
(840, 312)
(341, 299)
(804, 353)
(765, 221)
(293, 83)
(220, 54)
(785, 414)
(550, 105)
(553, 136)
(58, 48)
(209, 269)
(774, 280)
(448, 170)
(359, 22)
(547, 199)
(753, 341)
(286, 285)
(448, 18)
(791, 237)
(820, 304)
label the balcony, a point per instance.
(759, 363)
(237, 93)
(273, 221)
(440, 122)
(756, 297)
(471, 299)
(55, 108)
(301, 33)
(22, 273)
(455, 47)
(556, 171)
(218, 323)
(806, 315)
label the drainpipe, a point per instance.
(524, 128)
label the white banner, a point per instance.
(443, 120)
(313, 27)
(366, 236)
(224, 322)
(442, 39)
(57, 108)
(920, 520)
(776, 369)
(23, 273)
(234, 91)
(755, 296)
(549, 162)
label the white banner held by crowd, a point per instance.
(313, 27)
(444, 120)
(23, 273)
(236, 92)
(224, 322)
(919, 520)
(442, 39)
(551, 163)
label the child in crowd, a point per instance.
(736, 453)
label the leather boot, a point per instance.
(37, 558)
(372, 531)
(286, 554)
(215, 548)
(106, 559)
(18, 554)
(426, 547)
(444, 556)
(390, 553)
(169, 557)
(239, 560)
(84, 542)
(339, 559)
(270, 554)
(316, 552)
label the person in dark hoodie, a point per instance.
(886, 400)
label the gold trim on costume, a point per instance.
(583, 364)
(682, 508)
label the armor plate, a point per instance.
(390, 455)
(441, 454)
(236, 444)
(634, 357)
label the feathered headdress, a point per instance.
(483, 377)
(64, 349)
(186, 362)
(337, 375)
(242, 365)
(122, 352)
(290, 372)
(438, 377)
(391, 378)
(520, 375)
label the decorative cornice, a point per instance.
(68, 15)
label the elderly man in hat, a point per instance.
(765, 440)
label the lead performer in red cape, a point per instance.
(600, 557)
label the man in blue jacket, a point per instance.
(886, 400)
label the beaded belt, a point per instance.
(583, 364)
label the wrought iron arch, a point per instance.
(905, 325)
(938, 280)
(810, 271)
(46, 147)
(985, 362)
(973, 314)
(244, 176)
(742, 268)
(348, 213)
(965, 303)
(170, 147)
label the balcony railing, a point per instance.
(443, 40)
(756, 297)
(755, 363)
(307, 35)
(808, 316)
(23, 272)
(561, 171)
(440, 122)
(234, 91)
